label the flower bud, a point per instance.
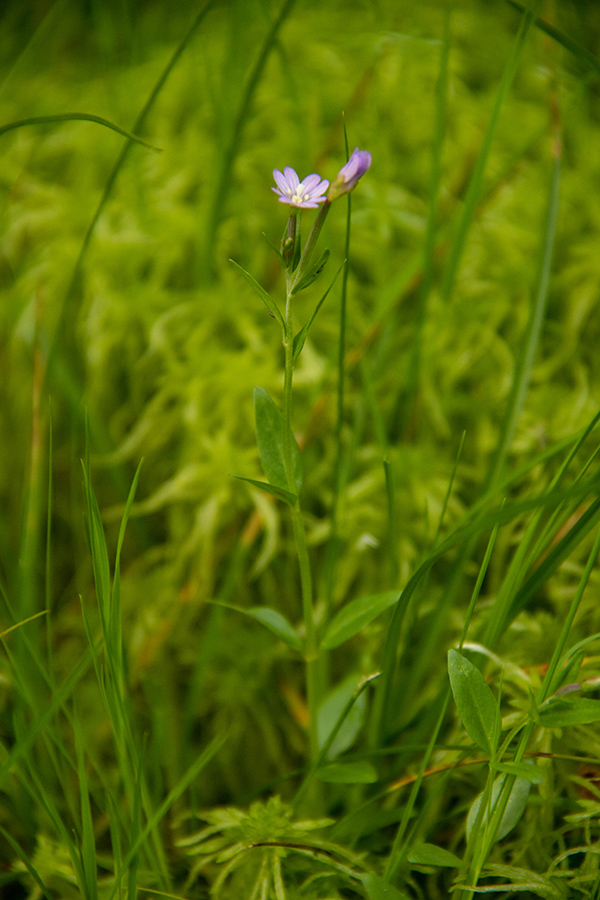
(350, 174)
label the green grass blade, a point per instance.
(185, 781)
(88, 843)
(75, 117)
(580, 53)
(28, 865)
(411, 387)
(333, 546)
(115, 637)
(41, 723)
(534, 328)
(475, 185)
(228, 155)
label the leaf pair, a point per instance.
(303, 283)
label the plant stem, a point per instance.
(311, 652)
(308, 248)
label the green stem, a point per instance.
(311, 653)
(309, 247)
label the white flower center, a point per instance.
(298, 196)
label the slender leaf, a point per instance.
(359, 772)
(475, 701)
(271, 619)
(278, 624)
(354, 616)
(431, 855)
(269, 437)
(270, 489)
(260, 292)
(530, 773)
(563, 711)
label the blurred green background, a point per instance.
(119, 304)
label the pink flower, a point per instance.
(305, 194)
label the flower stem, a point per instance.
(311, 653)
(309, 246)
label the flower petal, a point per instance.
(291, 176)
(281, 181)
(310, 182)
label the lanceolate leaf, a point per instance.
(379, 889)
(475, 701)
(278, 624)
(270, 489)
(271, 619)
(359, 772)
(562, 711)
(260, 291)
(354, 616)
(269, 437)
(333, 707)
(432, 855)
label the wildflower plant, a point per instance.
(278, 450)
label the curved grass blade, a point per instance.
(76, 117)
(57, 367)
